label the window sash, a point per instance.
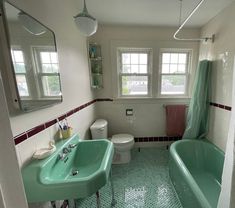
(174, 94)
(134, 75)
(121, 74)
(39, 63)
(13, 58)
(186, 74)
(39, 69)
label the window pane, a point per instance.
(51, 85)
(166, 58)
(134, 58)
(173, 84)
(22, 85)
(134, 85)
(47, 68)
(126, 68)
(173, 68)
(182, 58)
(126, 58)
(19, 68)
(134, 68)
(18, 61)
(45, 57)
(18, 56)
(55, 68)
(143, 58)
(181, 68)
(174, 58)
(165, 68)
(143, 69)
(54, 58)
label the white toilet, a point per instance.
(123, 143)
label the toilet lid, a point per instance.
(98, 124)
(122, 138)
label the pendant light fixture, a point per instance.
(85, 22)
(30, 24)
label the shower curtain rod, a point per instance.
(185, 21)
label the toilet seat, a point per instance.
(122, 139)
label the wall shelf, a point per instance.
(95, 65)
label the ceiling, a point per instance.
(153, 12)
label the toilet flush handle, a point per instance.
(101, 129)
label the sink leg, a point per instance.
(53, 204)
(98, 199)
(114, 202)
(72, 203)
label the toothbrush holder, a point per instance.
(66, 133)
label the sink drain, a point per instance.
(74, 172)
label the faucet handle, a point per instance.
(61, 156)
(72, 145)
(66, 150)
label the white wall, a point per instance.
(149, 114)
(222, 53)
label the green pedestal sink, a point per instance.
(77, 169)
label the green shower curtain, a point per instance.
(198, 112)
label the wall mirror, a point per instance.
(34, 60)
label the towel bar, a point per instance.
(175, 104)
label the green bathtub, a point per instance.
(195, 169)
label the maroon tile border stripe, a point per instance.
(35, 130)
(225, 107)
(157, 139)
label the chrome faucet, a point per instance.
(64, 153)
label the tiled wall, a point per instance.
(33, 131)
(31, 140)
(221, 52)
(221, 106)
(38, 137)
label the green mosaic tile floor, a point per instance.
(143, 183)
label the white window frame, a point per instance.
(36, 53)
(187, 72)
(120, 51)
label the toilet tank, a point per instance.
(99, 129)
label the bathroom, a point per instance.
(146, 25)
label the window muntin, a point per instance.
(134, 72)
(48, 71)
(174, 72)
(20, 72)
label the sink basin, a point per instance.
(81, 173)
